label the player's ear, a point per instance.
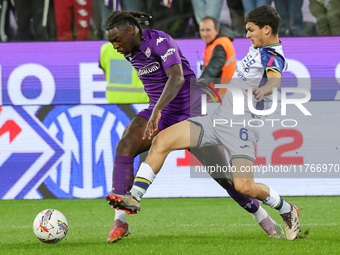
(267, 30)
(131, 29)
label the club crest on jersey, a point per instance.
(148, 52)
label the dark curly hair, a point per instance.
(127, 18)
(264, 15)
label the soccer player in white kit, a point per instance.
(256, 75)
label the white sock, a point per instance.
(145, 171)
(120, 215)
(285, 208)
(143, 180)
(260, 214)
(274, 200)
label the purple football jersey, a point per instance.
(159, 51)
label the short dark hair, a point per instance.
(216, 22)
(127, 18)
(264, 15)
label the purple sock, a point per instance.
(249, 204)
(123, 176)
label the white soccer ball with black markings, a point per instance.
(50, 226)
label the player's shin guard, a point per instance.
(215, 156)
(249, 204)
(144, 178)
(123, 176)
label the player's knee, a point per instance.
(159, 144)
(126, 147)
(246, 188)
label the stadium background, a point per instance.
(58, 135)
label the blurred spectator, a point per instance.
(68, 10)
(327, 14)
(29, 14)
(131, 5)
(105, 8)
(6, 31)
(203, 8)
(219, 53)
(174, 18)
(108, 6)
(97, 21)
(291, 23)
(248, 5)
(212, 8)
(123, 83)
(237, 17)
(51, 24)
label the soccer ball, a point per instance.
(50, 226)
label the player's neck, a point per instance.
(137, 40)
(272, 40)
(137, 44)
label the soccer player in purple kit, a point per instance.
(166, 76)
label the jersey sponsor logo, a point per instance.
(150, 68)
(168, 53)
(147, 52)
(159, 40)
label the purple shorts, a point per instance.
(172, 116)
(168, 118)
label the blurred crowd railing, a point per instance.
(61, 20)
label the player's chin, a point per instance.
(125, 52)
(121, 51)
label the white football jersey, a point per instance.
(251, 73)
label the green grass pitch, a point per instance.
(170, 226)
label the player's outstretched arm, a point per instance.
(274, 81)
(172, 87)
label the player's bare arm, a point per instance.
(274, 81)
(171, 89)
